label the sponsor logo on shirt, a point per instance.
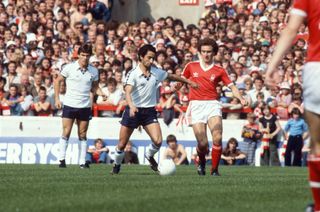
(195, 74)
(212, 77)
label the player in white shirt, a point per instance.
(81, 78)
(140, 89)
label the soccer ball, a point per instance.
(167, 167)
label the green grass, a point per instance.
(48, 188)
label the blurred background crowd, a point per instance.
(37, 38)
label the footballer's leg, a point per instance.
(314, 156)
(67, 124)
(125, 133)
(154, 131)
(200, 132)
(82, 135)
(215, 126)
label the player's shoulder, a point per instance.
(68, 65)
(193, 63)
(218, 67)
(93, 69)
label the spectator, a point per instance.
(112, 96)
(130, 154)
(231, 155)
(26, 101)
(283, 100)
(42, 105)
(251, 135)
(258, 87)
(175, 151)
(13, 101)
(296, 103)
(12, 77)
(97, 153)
(296, 132)
(99, 10)
(269, 125)
(168, 103)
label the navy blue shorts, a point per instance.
(82, 114)
(143, 117)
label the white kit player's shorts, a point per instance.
(200, 111)
(311, 86)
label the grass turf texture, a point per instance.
(137, 188)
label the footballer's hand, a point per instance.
(58, 104)
(194, 85)
(272, 79)
(133, 111)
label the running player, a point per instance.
(310, 10)
(204, 107)
(140, 89)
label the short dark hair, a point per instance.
(171, 138)
(296, 111)
(208, 42)
(111, 81)
(85, 48)
(145, 49)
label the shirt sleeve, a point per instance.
(130, 79)
(287, 127)
(225, 78)
(162, 75)
(300, 7)
(186, 71)
(65, 71)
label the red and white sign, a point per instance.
(189, 2)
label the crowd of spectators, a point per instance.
(38, 37)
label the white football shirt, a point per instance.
(144, 92)
(79, 84)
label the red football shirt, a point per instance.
(311, 10)
(207, 80)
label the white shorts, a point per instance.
(200, 111)
(311, 86)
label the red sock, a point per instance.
(215, 156)
(314, 179)
(202, 156)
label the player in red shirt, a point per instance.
(204, 107)
(310, 10)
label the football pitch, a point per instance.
(137, 188)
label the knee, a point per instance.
(202, 144)
(217, 137)
(157, 141)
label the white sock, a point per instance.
(153, 149)
(63, 144)
(118, 157)
(83, 151)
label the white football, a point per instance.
(167, 167)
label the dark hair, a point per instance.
(145, 49)
(42, 88)
(227, 149)
(85, 48)
(98, 140)
(208, 42)
(296, 111)
(111, 81)
(171, 138)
